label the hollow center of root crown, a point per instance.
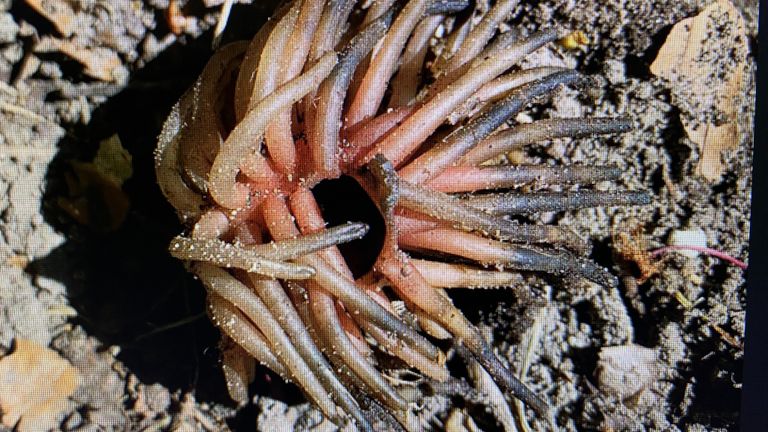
(343, 200)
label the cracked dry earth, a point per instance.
(88, 275)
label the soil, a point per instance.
(131, 319)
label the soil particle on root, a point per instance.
(45, 97)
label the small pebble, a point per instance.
(692, 237)
(626, 370)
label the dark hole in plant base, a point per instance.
(343, 200)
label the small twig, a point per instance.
(495, 397)
(171, 326)
(534, 337)
(62, 310)
(688, 304)
(727, 337)
(705, 250)
(226, 8)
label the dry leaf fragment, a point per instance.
(100, 63)
(175, 18)
(35, 383)
(18, 261)
(631, 246)
(705, 58)
(574, 40)
(95, 194)
(113, 160)
(58, 12)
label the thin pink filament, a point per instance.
(705, 250)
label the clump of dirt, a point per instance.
(132, 322)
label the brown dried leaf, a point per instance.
(631, 246)
(94, 198)
(58, 12)
(705, 58)
(35, 383)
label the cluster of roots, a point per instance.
(328, 88)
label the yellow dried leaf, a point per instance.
(113, 160)
(705, 60)
(95, 194)
(35, 383)
(574, 40)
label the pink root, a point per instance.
(705, 250)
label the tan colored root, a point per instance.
(405, 85)
(238, 367)
(402, 142)
(228, 255)
(247, 134)
(235, 325)
(188, 203)
(278, 136)
(201, 139)
(371, 92)
(278, 302)
(231, 289)
(445, 275)
(479, 36)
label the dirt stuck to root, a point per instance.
(86, 85)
